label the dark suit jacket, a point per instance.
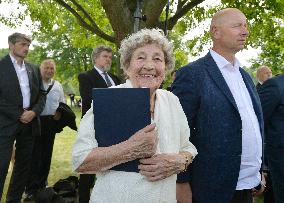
(216, 129)
(89, 80)
(272, 100)
(11, 100)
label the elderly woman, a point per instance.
(145, 58)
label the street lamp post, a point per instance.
(138, 16)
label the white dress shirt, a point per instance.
(53, 98)
(103, 76)
(249, 175)
(23, 81)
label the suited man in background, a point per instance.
(21, 102)
(263, 73)
(224, 116)
(98, 77)
(271, 94)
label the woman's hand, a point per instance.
(144, 142)
(140, 145)
(161, 166)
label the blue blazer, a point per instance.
(216, 129)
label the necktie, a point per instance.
(107, 79)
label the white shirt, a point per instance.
(23, 81)
(249, 175)
(103, 76)
(128, 187)
(53, 98)
(260, 82)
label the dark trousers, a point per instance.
(276, 167)
(240, 196)
(42, 154)
(22, 134)
(268, 196)
(86, 182)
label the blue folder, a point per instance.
(118, 114)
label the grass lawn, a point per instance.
(258, 200)
(61, 159)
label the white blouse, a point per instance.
(130, 187)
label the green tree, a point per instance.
(70, 60)
(89, 22)
(272, 53)
(3, 52)
(110, 20)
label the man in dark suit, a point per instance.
(271, 94)
(21, 102)
(225, 118)
(263, 73)
(98, 77)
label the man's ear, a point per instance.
(214, 32)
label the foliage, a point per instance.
(273, 53)
(3, 52)
(68, 29)
(69, 59)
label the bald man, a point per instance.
(225, 119)
(263, 73)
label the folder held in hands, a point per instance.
(118, 114)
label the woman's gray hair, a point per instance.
(142, 38)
